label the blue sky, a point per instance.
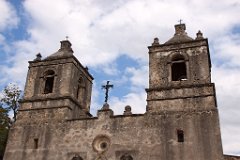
(117, 33)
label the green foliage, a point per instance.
(4, 127)
(11, 98)
(9, 103)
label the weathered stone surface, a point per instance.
(147, 136)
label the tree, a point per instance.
(4, 127)
(9, 103)
(11, 98)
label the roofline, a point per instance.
(65, 57)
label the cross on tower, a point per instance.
(180, 21)
(107, 87)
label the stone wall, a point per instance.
(144, 136)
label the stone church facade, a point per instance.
(181, 121)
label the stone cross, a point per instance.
(107, 87)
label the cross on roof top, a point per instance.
(180, 21)
(107, 87)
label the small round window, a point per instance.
(101, 144)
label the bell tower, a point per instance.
(181, 93)
(57, 87)
(180, 73)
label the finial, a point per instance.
(155, 42)
(67, 38)
(38, 57)
(105, 106)
(199, 35)
(128, 110)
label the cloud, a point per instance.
(95, 105)
(8, 21)
(138, 76)
(137, 101)
(227, 50)
(16, 71)
(8, 16)
(124, 27)
(136, 98)
(3, 44)
(227, 84)
(108, 68)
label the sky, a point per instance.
(111, 39)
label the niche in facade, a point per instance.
(180, 135)
(77, 158)
(126, 157)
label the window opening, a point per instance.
(48, 85)
(179, 71)
(35, 143)
(103, 145)
(126, 157)
(78, 88)
(180, 135)
(49, 81)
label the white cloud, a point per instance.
(227, 49)
(110, 69)
(138, 76)
(95, 105)
(17, 70)
(137, 82)
(137, 101)
(228, 93)
(124, 27)
(3, 43)
(8, 21)
(8, 17)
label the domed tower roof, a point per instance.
(180, 35)
(64, 51)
